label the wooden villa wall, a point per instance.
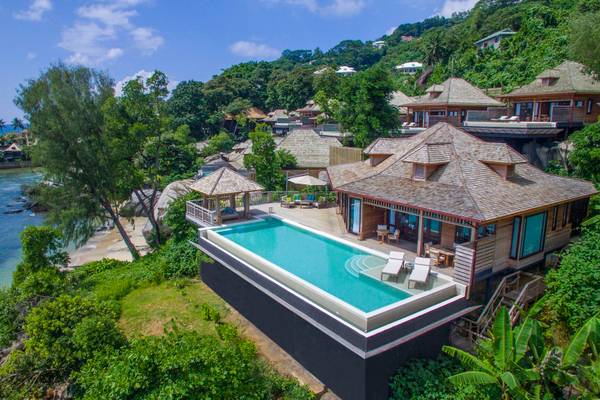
(579, 114)
(344, 155)
(371, 217)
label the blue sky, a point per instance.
(187, 39)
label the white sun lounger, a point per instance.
(396, 255)
(392, 268)
(420, 272)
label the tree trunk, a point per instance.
(134, 253)
(149, 210)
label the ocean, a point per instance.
(11, 224)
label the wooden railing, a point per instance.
(527, 287)
(198, 214)
(257, 198)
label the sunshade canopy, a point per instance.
(307, 180)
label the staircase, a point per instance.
(361, 263)
(516, 292)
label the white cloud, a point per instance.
(338, 8)
(30, 55)
(102, 31)
(453, 6)
(147, 40)
(36, 10)
(391, 30)
(250, 49)
(141, 74)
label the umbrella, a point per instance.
(307, 180)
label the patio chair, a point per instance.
(297, 198)
(392, 269)
(287, 202)
(382, 232)
(420, 272)
(395, 234)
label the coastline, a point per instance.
(108, 244)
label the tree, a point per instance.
(186, 106)
(18, 124)
(263, 159)
(2, 124)
(88, 164)
(585, 157)
(42, 248)
(290, 90)
(585, 40)
(219, 143)
(363, 107)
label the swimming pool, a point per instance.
(325, 263)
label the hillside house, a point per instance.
(448, 102)
(344, 70)
(566, 95)
(493, 41)
(409, 68)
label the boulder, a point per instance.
(173, 191)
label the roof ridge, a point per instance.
(217, 180)
(466, 187)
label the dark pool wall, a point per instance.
(352, 365)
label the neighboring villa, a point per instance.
(493, 41)
(12, 152)
(253, 114)
(448, 102)
(410, 67)
(567, 95)
(483, 203)
(345, 70)
(397, 100)
(308, 114)
(281, 122)
(310, 149)
(379, 44)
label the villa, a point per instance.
(567, 95)
(309, 113)
(410, 67)
(449, 102)
(344, 70)
(480, 205)
(493, 41)
(310, 149)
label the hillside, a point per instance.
(445, 44)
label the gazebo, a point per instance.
(222, 184)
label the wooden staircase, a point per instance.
(515, 291)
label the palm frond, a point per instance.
(575, 349)
(502, 339)
(473, 378)
(468, 360)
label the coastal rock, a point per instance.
(173, 191)
(134, 207)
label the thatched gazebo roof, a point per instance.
(223, 182)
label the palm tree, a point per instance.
(17, 124)
(502, 362)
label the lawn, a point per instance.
(146, 311)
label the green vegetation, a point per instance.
(264, 160)
(126, 330)
(219, 143)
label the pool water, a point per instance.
(323, 262)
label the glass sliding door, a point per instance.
(534, 232)
(354, 216)
(409, 227)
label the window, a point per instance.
(514, 246)
(534, 232)
(486, 230)
(437, 113)
(579, 103)
(453, 113)
(554, 217)
(462, 234)
(419, 172)
(590, 104)
(565, 216)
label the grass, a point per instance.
(148, 310)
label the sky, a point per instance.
(186, 39)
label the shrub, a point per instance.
(179, 365)
(427, 380)
(9, 316)
(174, 218)
(51, 329)
(181, 259)
(573, 289)
(210, 313)
(42, 248)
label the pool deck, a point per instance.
(328, 221)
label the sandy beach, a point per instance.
(108, 244)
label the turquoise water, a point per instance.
(316, 259)
(11, 225)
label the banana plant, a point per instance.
(503, 361)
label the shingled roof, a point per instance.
(310, 149)
(568, 77)
(398, 98)
(225, 181)
(454, 92)
(463, 185)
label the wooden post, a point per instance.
(232, 201)
(218, 208)
(246, 204)
(420, 234)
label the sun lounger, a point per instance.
(392, 268)
(504, 118)
(420, 272)
(396, 255)
(514, 118)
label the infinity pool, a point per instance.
(325, 263)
